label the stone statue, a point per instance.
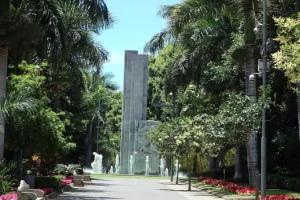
(111, 170)
(97, 163)
(131, 165)
(23, 186)
(147, 166)
(166, 172)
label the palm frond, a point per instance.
(97, 11)
(190, 11)
(158, 41)
(48, 14)
(15, 104)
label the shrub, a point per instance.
(48, 182)
(66, 169)
(282, 182)
(7, 181)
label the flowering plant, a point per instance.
(242, 190)
(230, 186)
(279, 197)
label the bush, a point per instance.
(7, 181)
(282, 182)
(66, 169)
(48, 182)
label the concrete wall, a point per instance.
(134, 103)
(143, 147)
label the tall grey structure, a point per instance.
(134, 112)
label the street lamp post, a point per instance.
(264, 78)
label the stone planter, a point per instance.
(30, 180)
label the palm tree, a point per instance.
(15, 104)
(202, 28)
(249, 10)
(199, 27)
(96, 98)
(46, 17)
(201, 20)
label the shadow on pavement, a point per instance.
(102, 184)
(88, 190)
(173, 190)
(85, 198)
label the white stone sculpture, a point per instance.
(147, 166)
(166, 172)
(131, 165)
(23, 186)
(97, 163)
(111, 170)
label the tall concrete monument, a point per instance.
(134, 144)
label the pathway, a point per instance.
(134, 189)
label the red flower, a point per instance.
(232, 187)
(279, 197)
(235, 188)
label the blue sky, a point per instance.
(136, 21)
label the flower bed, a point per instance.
(279, 197)
(66, 181)
(241, 190)
(230, 186)
(10, 196)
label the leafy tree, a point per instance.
(40, 132)
(59, 31)
(288, 59)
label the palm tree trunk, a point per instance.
(89, 144)
(252, 149)
(298, 108)
(238, 172)
(212, 165)
(3, 74)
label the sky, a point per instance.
(136, 21)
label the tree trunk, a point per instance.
(177, 173)
(252, 150)
(238, 172)
(172, 169)
(297, 5)
(190, 181)
(88, 145)
(212, 165)
(3, 75)
(298, 108)
(19, 163)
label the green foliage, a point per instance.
(48, 182)
(283, 182)
(66, 169)
(42, 131)
(209, 132)
(7, 182)
(288, 59)
(159, 103)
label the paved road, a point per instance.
(133, 189)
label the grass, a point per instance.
(114, 176)
(224, 194)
